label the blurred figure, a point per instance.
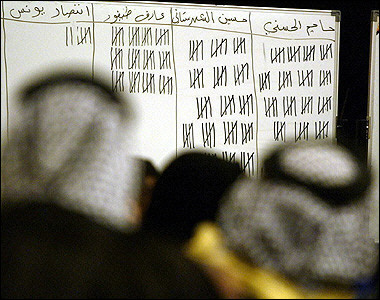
(301, 231)
(70, 146)
(50, 252)
(69, 187)
(188, 192)
(150, 175)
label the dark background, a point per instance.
(353, 61)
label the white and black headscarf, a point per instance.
(306, 218)
(71, 145)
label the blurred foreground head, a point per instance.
(307, 218)
(71, 145)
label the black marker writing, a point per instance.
(279, 131)
(148, 83)
(274, 27)
(277, 55)
(204, 107)
(134, 36)
(247, 133)
(230, 132)
(220, 76)
(324, 104)
(325, 77)
(241, 73)
(264, 81)
(305, 77)
(165, 85)
(218, 47)
(117, 36)
(229, 156)
(195, 50)
(147, 39)
(120, 16)
(188, 135)
(321, 130)
(78, 35)
(289, 106)
(116, 58)
(294, 53)
(284, 79)
(271, 107)
(117, 81)
(148, 60)
(133, 58)
(73, 11)
(164, 57)
(208, 134)
(308, 53)
(134, 82)
(239, 45)
(196, 78)
(246, 104)
(301, 132)
(162, 37)
(227, 20)
(307, 105)
(326, 51)
(181, 17)
(149, 16)
(247, 163)
(227, 105)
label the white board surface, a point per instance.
(231, 81)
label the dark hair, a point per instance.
(189, 191)
(150, 169)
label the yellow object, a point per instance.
(207, 248)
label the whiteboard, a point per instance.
(373, 118)
(230, 81)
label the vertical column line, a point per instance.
(254, 88)
(336, 80)
(176, 86)
(6, 70)
(93, 43)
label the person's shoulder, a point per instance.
(40, 212)
(174, 275)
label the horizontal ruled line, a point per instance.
(170, 24)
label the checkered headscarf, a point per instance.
(306, 218)
(71, 145)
